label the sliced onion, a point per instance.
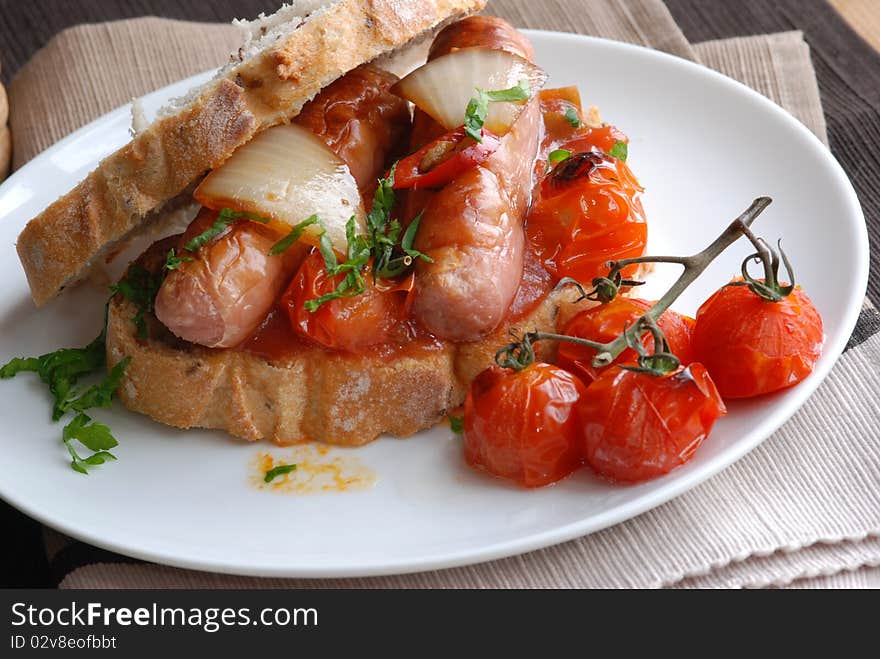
(443, 87)
(287, 174)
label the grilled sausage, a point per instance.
(473, 228)
(221, 297)
(361, 121)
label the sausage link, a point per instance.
(221, 297)
(473, 228)
(361, 121)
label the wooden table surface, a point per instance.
(863, 16)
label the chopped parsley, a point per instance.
(287, 242)
(390, 248)
(478, 108)
(620, 150)
(571, 116)
(61, 371)
(101, 394)
(94, 436)
(559, 155)
(457, 424)
(173, 262)
(358, 256)
(140, 287)
(225, 219)
(278, 472)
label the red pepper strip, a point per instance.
(409, 175)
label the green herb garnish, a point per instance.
(559, 155)
(478, 108)
(571, 116)
(457, 424)
(358, 256)
(383, 203)
(94, 436)
(227, 217)
(101, 394)
(390, 248)
(286, 243)
(173, 262)
(60, 371)
(140, 287)
(409, 239)
(620, 150)
(279, 471)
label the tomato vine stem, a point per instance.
(520, 354)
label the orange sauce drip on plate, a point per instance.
(319, 470)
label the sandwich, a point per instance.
(357, 247)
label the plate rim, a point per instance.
(557, 535)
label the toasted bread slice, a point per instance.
(335, 398)
(291, 56)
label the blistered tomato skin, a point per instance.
(590, 212)
(351, 324)
(523, 425)
(606, 322)
(636, 426)
(603, 138)
(752, 346)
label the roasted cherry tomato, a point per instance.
(522, 425)
(604, 323)
(637, 426)
(376, 317)
(603, 138)
(559, 108)
(753, 346)
(590, 213)
(438, 163)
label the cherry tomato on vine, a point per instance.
(375, 317)
(605, 322)
(637, 426)
(753, 346)
(589, 213)
(522, 425)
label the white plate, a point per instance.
(702, 144)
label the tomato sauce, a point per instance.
(275, 341)
(536, 285)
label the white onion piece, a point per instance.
(443, 87)
(287, 174)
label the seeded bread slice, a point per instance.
(289, 58)
(335, 398)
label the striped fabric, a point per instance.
(802, 510)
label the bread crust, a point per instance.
(335, 398)
(58, 247)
